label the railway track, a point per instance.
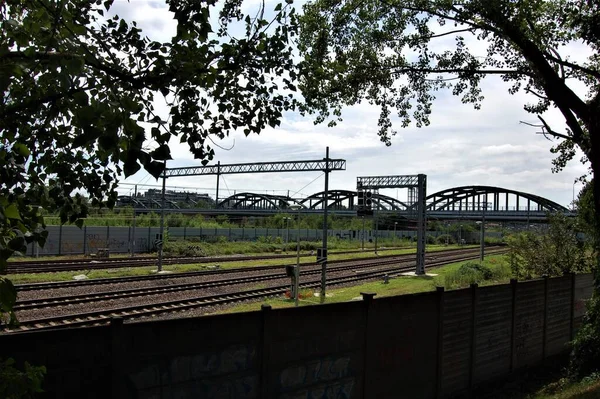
(156, 277)
(103, 316)
(50, 266)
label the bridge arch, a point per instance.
(257, 201)
(346, 199)
(471, 198)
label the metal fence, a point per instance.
(71, 240)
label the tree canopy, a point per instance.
(79, 86)
(397, 54)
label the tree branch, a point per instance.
(538, 95)
(548, 130)
(405, 69)
(571, 65)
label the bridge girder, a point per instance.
(335, 198)
(250, 201)
(447, 200)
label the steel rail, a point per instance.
(139, 292)
(101, 317)
(87, 264)
(118, 280)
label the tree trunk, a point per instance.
(593, 126)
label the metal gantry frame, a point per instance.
(418, 182)
(325, 165)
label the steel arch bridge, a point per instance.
(258, 201)
(466, 202)
(472, 198)
(337, 198)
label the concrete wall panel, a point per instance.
(492, 332)
(558, 319)
(456, 341)
(584, 288)
(402, 347)
(316, 352)
(529, 323)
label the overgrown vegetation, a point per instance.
(556, 252)
(220, 246)
(17, 384)
(492, 270)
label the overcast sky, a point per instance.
(461, 147)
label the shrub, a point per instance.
(474, 273)
(15, 383)
(586, 345)
(445, 238)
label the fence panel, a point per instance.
(528, 340)
(456, 341)
(401, 347)
(493, 323)
(584, 288)
(189, 358)
(315, 352)
(558, 318)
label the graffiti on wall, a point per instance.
(226, 373)
(329, 377)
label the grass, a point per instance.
(146, 270)
(396, 286)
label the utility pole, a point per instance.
(482, 239)
(363, 234)
(325, 195)
(162, 219)
(133, 232)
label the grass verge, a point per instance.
(396, 286)
(146, 270)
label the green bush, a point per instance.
(474, 273)
(430, 239)
(445, 238)
(585, 353)
(17, 384)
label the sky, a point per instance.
(461, 146)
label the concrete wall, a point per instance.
(431, 345)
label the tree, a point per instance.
(79, 86)
(384, 52)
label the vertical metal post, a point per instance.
(297, 271)
(376, 213)
(363, 234)
(482, 238)
(162, 218)
(287, 234)
(84, 239)
(60, 238)
(421, 223)
(218, 178)
(133, 230)
(325, 195)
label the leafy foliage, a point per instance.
(586, 345)
(554, 253)
(78, 91)
(17, 384)
(397, 54)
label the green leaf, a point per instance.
(155, 168)
(162, 153)
(8, 295)
(12, 212)
(21, 149)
